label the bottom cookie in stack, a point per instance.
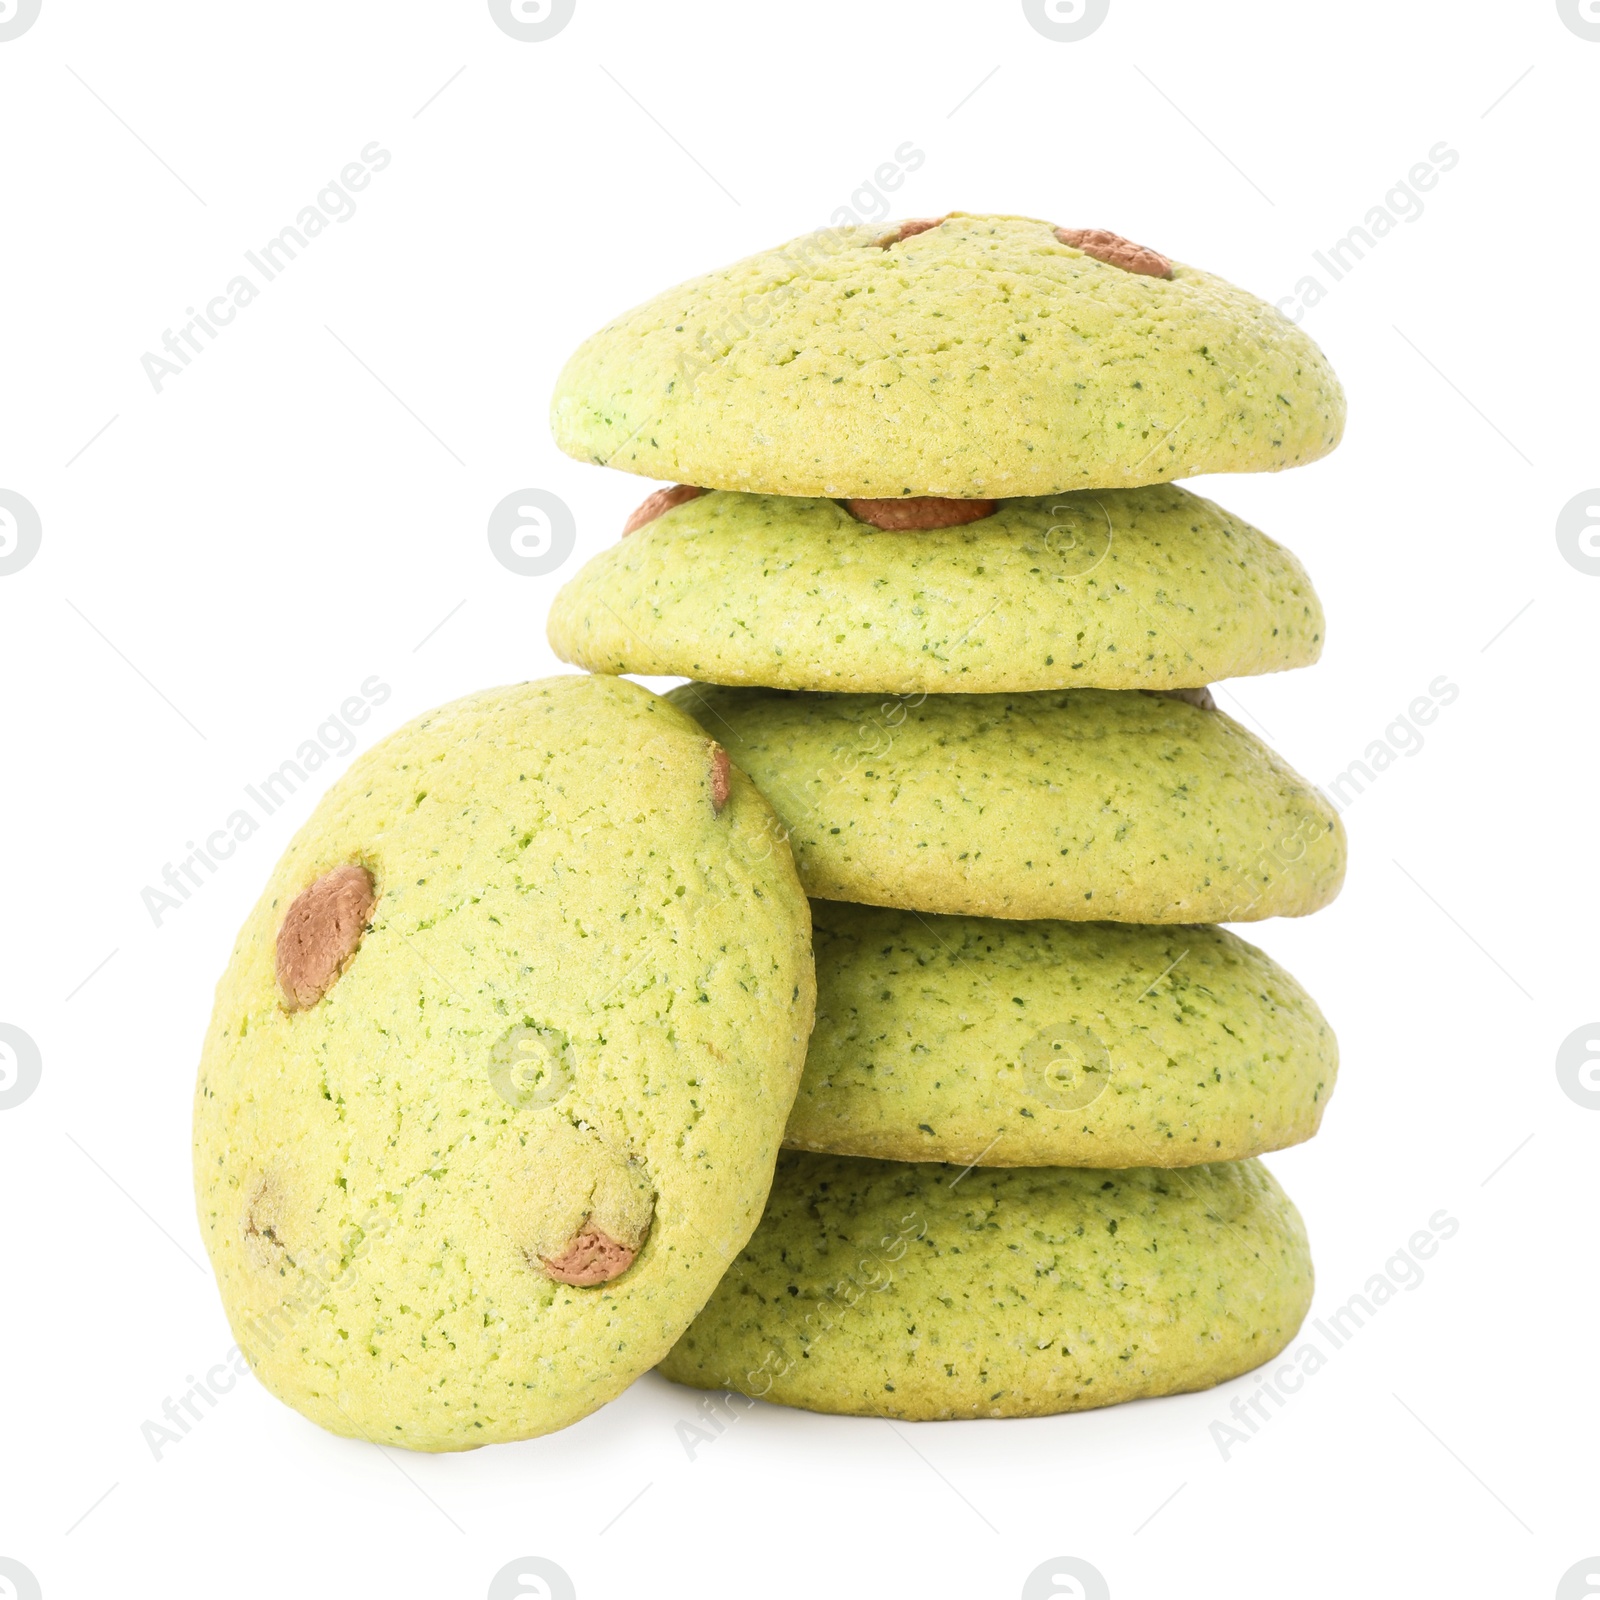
(922, 1291)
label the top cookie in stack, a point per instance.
(969, 357)
(947, 611)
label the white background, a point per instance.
(305, 506)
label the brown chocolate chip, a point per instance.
(1196, 697)
(658, 504)
(909, 230)
(1116, 251)
(919, 511)
(320, 933)
(592, 1257)
(721, 778)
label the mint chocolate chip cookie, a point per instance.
(1087, 805)
(1150, 588)
(918, 1291)
(498, 1071)
(1086, 1044)
(968, 357)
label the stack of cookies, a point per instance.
(941, 602)
(490, 1112)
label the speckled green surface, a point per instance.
(549, 866)
(981, 359)
(882, 1288)
(1116, 589)
(1082, 804)
(1084, 1044)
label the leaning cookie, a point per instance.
(968, 356)
(1078, 1044)
(498, 1070)
(1087, 805)
(1117, 589)
(920, 1292)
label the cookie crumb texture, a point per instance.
(486, 1179)
(1117, 589)
(1088, 1044)
(978, 357)
(877, 1288)
(1088, 805)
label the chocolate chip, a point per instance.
(721, 779)
(909, 230)
(320, 933)
(658, 504)
(1116, 251)
(592, 1257)
(919, 511)
(575, 1205)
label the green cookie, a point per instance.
(1082, 1044)
(499, 1068)
(1081, 804)
(981, 358)
(881, 1288)
(1121, 589)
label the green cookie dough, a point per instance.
(1120, 589)
(982, 358)
(920, 1291)
(1079, 804)
(1080, 1044)
(499, 1068)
